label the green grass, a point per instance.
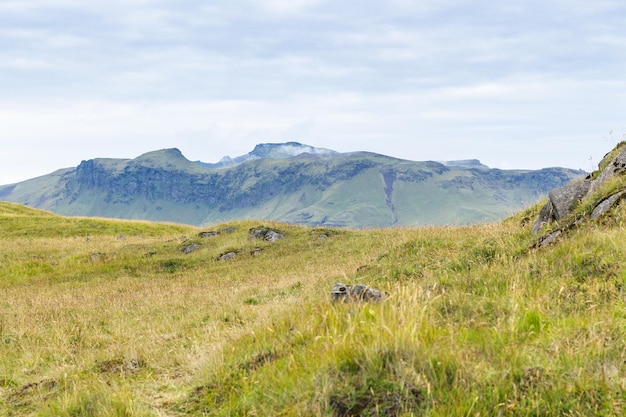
(112, 318)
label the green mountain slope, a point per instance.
(311, 188)
(126, 318)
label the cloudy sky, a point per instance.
(516, 84)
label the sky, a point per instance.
(516, 84)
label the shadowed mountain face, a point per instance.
(289, 182)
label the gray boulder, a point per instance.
(191, 248)
(273, 236)
(564, 198)
(228, 255)
(606, 204)
(617, 166)
(266, 234)
(359, 292)
(561, 202)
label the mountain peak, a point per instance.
(171, 157)
(286, 150)
(272, 151)
(162, 153)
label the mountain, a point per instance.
(289, 182)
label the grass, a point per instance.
(112, 318)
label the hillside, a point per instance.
(292, 183)
(121, 318)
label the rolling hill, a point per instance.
(104, 317)
(288, 182)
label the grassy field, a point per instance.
(113, 318)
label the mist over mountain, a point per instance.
(289, 182)
(270, 150)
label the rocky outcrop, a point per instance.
(562, 201)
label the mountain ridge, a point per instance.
(288, 182)
(270, 150)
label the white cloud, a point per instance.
(411, 79)
(287, 6)
(519, 123)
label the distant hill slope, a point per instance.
(292, 183)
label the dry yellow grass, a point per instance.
(105, 320)
(477, 323)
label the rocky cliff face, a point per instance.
(294, 183)
(146, 182)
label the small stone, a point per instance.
(273, 236)
(191, 248)
(227, 256)
(551, 238)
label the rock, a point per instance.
(191, 248)
(265, 234)
(617, 166)
(546, 216)
(546, 240)
(273, 236)
(228, 255)
(95, 256)
(564, 198)
(359, 292)
(257, 233)
(211, 233)
(606, 204)
(561, 202)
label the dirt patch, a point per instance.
(32, 393)
(120, 366)
(379, 400)
(258, 360)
